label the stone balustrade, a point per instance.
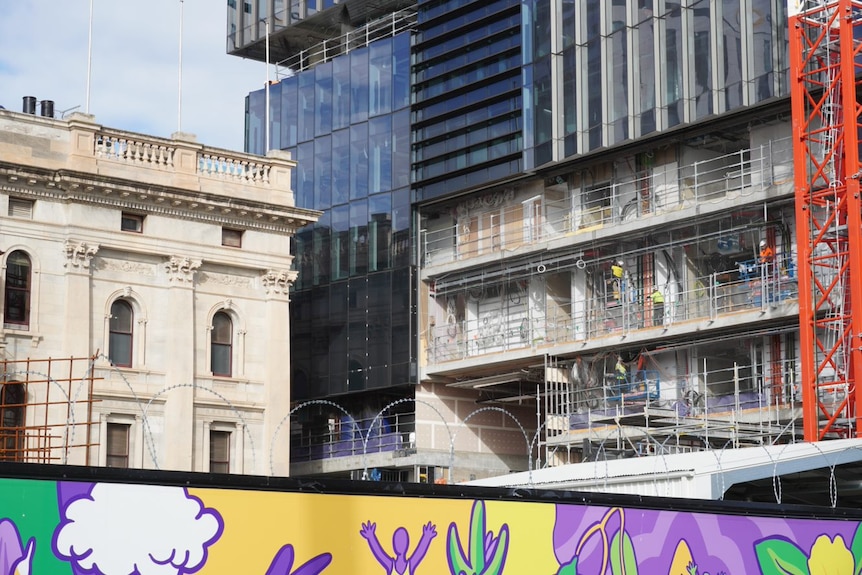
(79, 143)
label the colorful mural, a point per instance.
(80, 528)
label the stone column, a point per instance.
(178, 440)
(77, 330)
(276, 283)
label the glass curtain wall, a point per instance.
(347, 124)
(629, 68)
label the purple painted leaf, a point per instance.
(314, 566)
(282, 562)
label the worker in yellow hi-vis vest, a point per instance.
(657, 307)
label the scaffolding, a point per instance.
(46, 410)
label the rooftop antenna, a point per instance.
(180, 76)
(89, 56)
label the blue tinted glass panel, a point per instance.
(673, 62)
(401, 227)
(359, 85)
(380, 78)
(254, 122)
(288, 112)
(321, 250)
(380, 154)
(305, 105)
(401, 149)
(401, 71)
(275, 117)
(341, 92)
(358, 161)
(731, 28)
(304, 190)
(322, 172)
(323, 99)
(340, 166)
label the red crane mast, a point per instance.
(825, 79)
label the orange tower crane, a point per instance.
(826, 78)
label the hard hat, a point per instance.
(763, 243)
(620, 263)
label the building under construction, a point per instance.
(676, 277)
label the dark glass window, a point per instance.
(13, 398)
(304, 171)
(231, 238)
(358, 237)
(220, 451)
(132, 222)
(646, 56)
(379, 232)
(117, 447)
(619, 84)
(763, 24)
(221, 347)
(731, 27)
(16, 306)
(254, 134)
(322, 249)
(702, 59)
(401, 149)
(594, 74)
(673, 64)
(340, 241)
(121, 332)
(401, 72)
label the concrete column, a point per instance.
(77, 330)
(277, 372)
(178, 439)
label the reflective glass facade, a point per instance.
(618, 70)
(347, 124)
(467, 125)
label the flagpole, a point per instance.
(180, 77)
(89, 56)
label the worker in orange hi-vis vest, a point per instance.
(767, 254)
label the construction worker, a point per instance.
(657, 306)
(766, 252)
(621, 374)
(617, 269)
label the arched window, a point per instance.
(221, 347)
(16, 306)
(121, 334)
(12, 404)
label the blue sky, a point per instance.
(134, 78)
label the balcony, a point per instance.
(504, 225)
(751, 287)
(344, 436)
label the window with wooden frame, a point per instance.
(117, 447)
(221, 345)
(121, 333)
(16, 300)
(220, 451)
(13, 399)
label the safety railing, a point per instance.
(478, 230)
(732, 404)
(506, 327)
(341, 435)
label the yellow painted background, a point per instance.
(258, 523)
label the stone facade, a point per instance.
(185, 238)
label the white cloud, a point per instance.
(134, 79)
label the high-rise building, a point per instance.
(602, 241)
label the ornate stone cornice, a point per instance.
(278, 281)
(182, 269)
(79, 254)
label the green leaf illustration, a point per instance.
(779, 557)
(570, 568)
(628, 565)
(479, 559)
(856, 550)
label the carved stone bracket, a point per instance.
(79, 254)
(278, 281)
(182, 269)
